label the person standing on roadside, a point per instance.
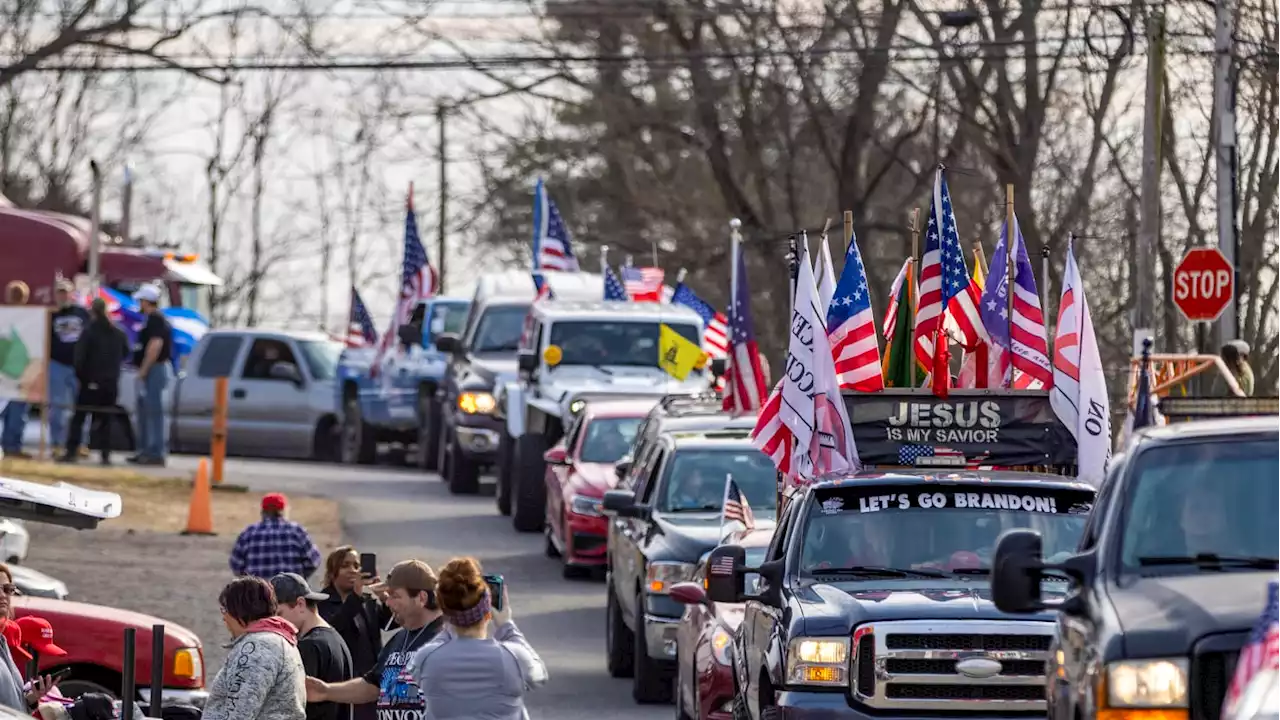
(484, 667)
(411, 587)
(99, 355)
(12, 693)
(262, 678)
(69, 322)
(154, 356)
(356, 613)
(324, 654)
(14, 413)
(274, 544)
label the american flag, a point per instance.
(715, 334)
(909, 454)
(360, 329)
(946, 290)
(851, 327)
(1024, 331)
(745, 390)
(889, 323)
(544, 293)
(1258, 653)
(552, 248)
(722, 565)
(417, 282)
(736, 508)
(613, 288)
(643, 284)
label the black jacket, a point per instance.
(359, 620)
(100, 352)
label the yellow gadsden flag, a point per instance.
(677, 355)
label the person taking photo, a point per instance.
(411, 595)
(484, 666)
(355, 612)
(324, 654)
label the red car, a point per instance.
(704, 675)
(579, 471)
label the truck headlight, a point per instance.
(1159, 683)
(187, 664)
(660, 576)
(720, 641)
(476, 403)
(818, 661)
(583, 505)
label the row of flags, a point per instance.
(804, 427)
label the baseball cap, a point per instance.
(65, 285)
(274, 502)
(291, 587)
(13, 637)
(150, 293)
(38, 633)
(411, 575)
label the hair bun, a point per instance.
(461, 585)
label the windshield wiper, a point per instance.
(971, 571)
(1211, 561)
(877, 571)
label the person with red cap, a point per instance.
(274, 544)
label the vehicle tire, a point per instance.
(359, 445)
(649, 684)
(529, 484)
(428, 455)
(464, 473)
(326, 443)
(771, 713)
(618, 640)
(73, 687)
(502, 491)
(682, 712)
(740, 711)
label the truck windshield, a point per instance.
(608, 439)
(1203, 506)
(696, 480)
(602, 342)
(499, 329)
(321, 357)
(448, 318)
(936, 528)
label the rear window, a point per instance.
(1215, 498)
(499, 329)
(448, 318)
(936, 528)
(219, 357)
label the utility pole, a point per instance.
(441, 113)
(1224, 141)
(1149, 230)
(95, 227)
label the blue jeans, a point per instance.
(62, 396)
(14, 417)
(151, 426)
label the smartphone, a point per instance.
(495, 583)
(368, 564)
(59, 676)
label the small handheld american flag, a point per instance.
(736, 508)
(1258, 653)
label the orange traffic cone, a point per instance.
(200, 514)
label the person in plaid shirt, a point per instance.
(274, 544)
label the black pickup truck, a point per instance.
(874, 600)
(1170, 574)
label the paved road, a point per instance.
(399, 513)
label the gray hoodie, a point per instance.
(477, 679)
(262, 679)
(11, 695)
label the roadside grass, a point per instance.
(158, 503)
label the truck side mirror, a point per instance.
(623, 504)
(448, 343)
(1015, 572)
(527, 361)
(724, 574)
(410, 334)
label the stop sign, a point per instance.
(1203, 284)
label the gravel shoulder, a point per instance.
(173, 577)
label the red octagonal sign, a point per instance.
(1203, 284)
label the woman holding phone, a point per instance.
(355, 612)
(483, 666)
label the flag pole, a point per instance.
(848, 230)
(980, 258)
(604, 258)
(1011, 268)
(680, 275)
(912, 300)
(1044, 278)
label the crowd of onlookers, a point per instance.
(87, 352)
(300, 653)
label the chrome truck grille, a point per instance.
(952, 665)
